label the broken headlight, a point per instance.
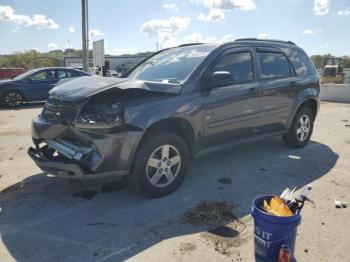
(100, 113)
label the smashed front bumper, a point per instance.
(64, 159)
(66, 151)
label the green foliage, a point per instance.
(320, 60)
(28, 60)
(34, 59)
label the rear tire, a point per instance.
(13, 99)
(160, 164)
(301, 129)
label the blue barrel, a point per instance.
(270, 232)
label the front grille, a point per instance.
(59, 111)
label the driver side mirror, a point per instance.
(218, 79)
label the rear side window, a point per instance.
(80, 73)
(61, 74)
(301, 62)
(273, 65)
(238, 64)
(70, 73)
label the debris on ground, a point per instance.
(226, 239)
(187, 247)
(225, 180)
(224, 231)
(210, 213)
(340, 204)
(347, 125)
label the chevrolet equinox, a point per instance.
(175, 104)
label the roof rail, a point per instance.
(189, 44)
(265, 40)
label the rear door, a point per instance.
(278, 85)
(231, 111)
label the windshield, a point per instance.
(24, 75)
(172, 65)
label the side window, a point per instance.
(273, 65)
(240, 65)
(43, 75)
(79, 73)
(38, 76)
(301, 62)
(50, 75)
(61, 74)
(70, 73)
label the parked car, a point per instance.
(112, 73)
(34, 85)
(178, 103)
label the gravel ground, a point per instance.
(48, 219)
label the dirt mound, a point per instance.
(210, 213)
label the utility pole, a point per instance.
(68, 45)
(85, 33)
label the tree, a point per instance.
(34, 59)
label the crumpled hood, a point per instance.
(86, 86)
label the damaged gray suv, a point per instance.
(177, 103)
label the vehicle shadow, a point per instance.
(24, 106)
(48, 219)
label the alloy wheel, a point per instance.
(13, 99)
(163, 166)
(303, 128)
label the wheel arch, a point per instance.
(310, 102)
(176, 125)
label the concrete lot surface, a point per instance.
(48, 219)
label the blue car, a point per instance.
(34, 85)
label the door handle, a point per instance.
(293, 84)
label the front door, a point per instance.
(231, 111)
(39, 84)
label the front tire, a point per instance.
(301, 129)
(160, 165)
(13, 99)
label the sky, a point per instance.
(318, 26)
